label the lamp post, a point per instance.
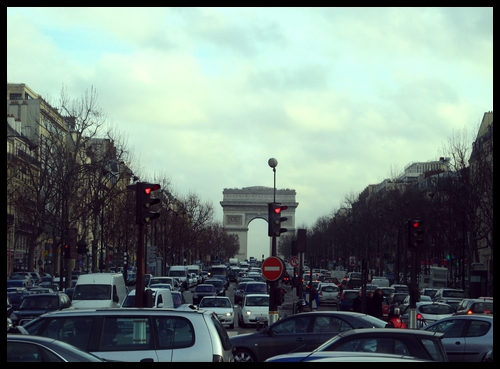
(273, 307)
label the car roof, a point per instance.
(388, 331)
(118, 311)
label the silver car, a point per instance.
(466, 337)
(328, 294)
(139, 334)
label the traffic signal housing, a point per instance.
(275, 219)
(144, 202)
(67, 252)
(415, 232)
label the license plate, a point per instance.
(261, 318)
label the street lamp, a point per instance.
(273, 307)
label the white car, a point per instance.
(255, 309)
(222, 306)
(328, 293)
(427, 313)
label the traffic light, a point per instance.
(275, 219)
(144, 202)
(416, 233)
(67, 253)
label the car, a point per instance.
(26, 348)
(222, 278)
(404, 342)
(218, 284)
(450, 296)
(202, 290)
(34, 305)
(427, 312)
(162, 280)
(254, 310)
(328, 294)
(222, 306)
(397, 298)
(428, 291)
(353, 283)
(401, 288)
(475, 306)
(255, 287)
(238, 292)
(139, 334)
(304, 332)
(387, 291)
(346, 298)
(178, 299)
(17, 296)
(371, 287)
(466, 338)
(363, 357)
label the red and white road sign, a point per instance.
(272, 268)
(294, 261)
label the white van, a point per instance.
(380, 281)
(99, 290)
(162, 299)
(180, 271)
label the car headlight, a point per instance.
(228, 314)
(248, 313)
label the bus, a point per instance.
(217, 270)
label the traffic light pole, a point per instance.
(139, 285)
(273, 306)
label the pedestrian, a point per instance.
(357, 302)
(376, 303)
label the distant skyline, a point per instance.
(341, 97)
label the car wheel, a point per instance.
(244, 356)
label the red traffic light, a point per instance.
(151, 188)
(416, 223)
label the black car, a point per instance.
(16, 298)
(202, 290)
(218, 284)
(404, 342)
(238, 292)
(37, 304)
(299, 332)
(27, 348)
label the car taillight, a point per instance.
(470, 312)
(420, 317)
(320, 293)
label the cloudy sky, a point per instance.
(341, 97)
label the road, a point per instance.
(283, 310)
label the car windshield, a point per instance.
(256, 288)
(257, 301)
(454, 294)
(435, 309)
(39, 303)
(215, 303)
(205, 289)
(92, 292)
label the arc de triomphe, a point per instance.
(242, 205)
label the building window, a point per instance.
(16, 96)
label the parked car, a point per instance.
(466, 337)
(202, 290)
(475, 306)
(34, 305)
(304, 332)
(26, 348)
(139, 334)
(222, 306)
(363, 357)
(427, 312)
(328, 294)
(404, 342)
(346, 298)
(450, 296)
(254, 310)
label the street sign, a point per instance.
(272, 268)
(294, 261)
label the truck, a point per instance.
(196, 269)
(437, 278)
(234, 262)
(99, 290)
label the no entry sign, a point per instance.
(272, 268)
